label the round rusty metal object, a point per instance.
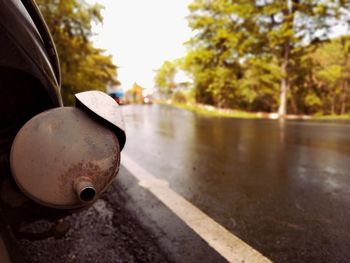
(62, 158)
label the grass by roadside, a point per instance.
(208, 110)
(212, 111)
(332, 117)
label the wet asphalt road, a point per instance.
(282, 187)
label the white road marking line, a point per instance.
(224, 242)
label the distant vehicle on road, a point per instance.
(148, 99)
(118, 96)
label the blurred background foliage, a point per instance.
(271, 56)
(134, 94)
(83, 66)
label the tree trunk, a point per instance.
(344, 97)
(282, 110)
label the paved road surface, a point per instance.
(282, 187)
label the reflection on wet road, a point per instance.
(281, 186)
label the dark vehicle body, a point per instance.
(29, 84)
(29, 69)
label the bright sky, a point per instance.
(141, 35)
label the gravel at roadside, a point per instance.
(106, 232)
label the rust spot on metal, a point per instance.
(99, 177)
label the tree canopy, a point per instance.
(165, 78)
(266, 55)
(83, 66)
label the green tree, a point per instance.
(331, 76)
(291, 24)
(165, 78)
(134, 94)
(214, 53)
(231, 35)
(83, 67)
(260, 83)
